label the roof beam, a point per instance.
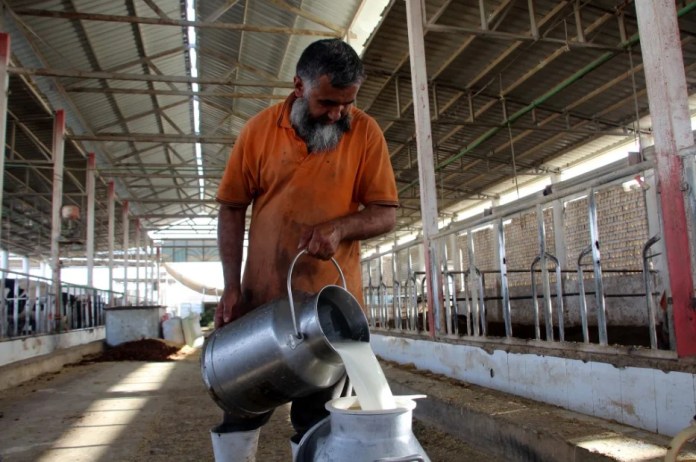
(199, 94)
(222, 9)
(492, 34)
(79, 74)
(459, 122)
(173, 175)
(309, 16)
(175, 215)
(164, 200)
(146, 59)
(505, 91)
(154, 138)
(153, 6)
(172, 22)
(141, 114)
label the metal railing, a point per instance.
(28, 306)
(399, 300)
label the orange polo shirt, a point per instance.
(270, 168)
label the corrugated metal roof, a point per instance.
(549, 102)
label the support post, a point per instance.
(126, 231)
(457, 280)
(597, 266)
(543, 263)
(484, 14)
(578, 22)
(4, 82)
(58, 150)
(160, 298)
(426, 167)
(111, 206)
(559, 228)
(674, 149)
(476, 309)
(533, 29)
(91, 166)
(504, 286)
(137, 261)
(146, 271)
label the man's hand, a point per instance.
(321, 241)
(229, 307)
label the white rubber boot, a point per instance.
(294, 447)
(235, 446)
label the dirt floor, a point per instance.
(156, 410)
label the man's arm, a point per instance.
(322, 240)
(230, 247)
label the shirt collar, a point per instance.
(284, 117)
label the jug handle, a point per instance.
(298, 336)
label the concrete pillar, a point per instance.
(150, 270)
(160, 298)
(57, 200)
(137, 261)
(146, 272)
(426, 165)
(4, 82)
(476, 308)
(111, 206)
(125, 252)
(91, 167)
(674, 148)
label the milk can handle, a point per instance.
(292, 303)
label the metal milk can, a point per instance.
(350, 434)
(281, 350)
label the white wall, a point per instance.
(661, 402)
(31, 347)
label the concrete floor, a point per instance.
(135, 411)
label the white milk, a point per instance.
(366, 376)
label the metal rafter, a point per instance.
(154, 138)
(509, 89)
(172, 22)
(199, 94)
(100, 75)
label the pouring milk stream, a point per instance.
(366, 376)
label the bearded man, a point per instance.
(317, 173)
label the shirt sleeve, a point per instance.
(238, 184)
(376, 183)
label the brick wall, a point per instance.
(622, 230)
(522, 244)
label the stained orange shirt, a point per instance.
(289, 188)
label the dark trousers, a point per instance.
(305, 412)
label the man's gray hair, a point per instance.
(331, 57)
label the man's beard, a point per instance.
(319, 135)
